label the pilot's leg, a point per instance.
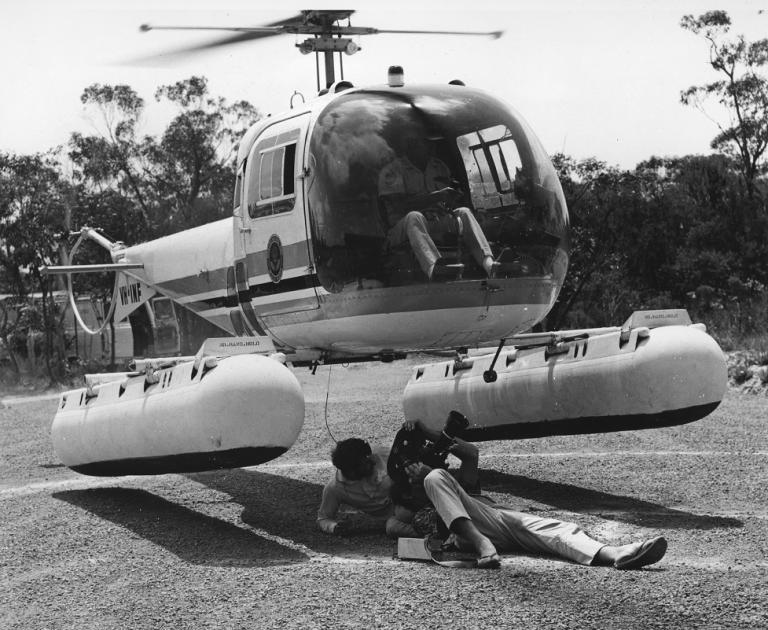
(474, 237)
(413, 228)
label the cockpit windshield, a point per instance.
(431, 185)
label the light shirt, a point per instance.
(369, 495)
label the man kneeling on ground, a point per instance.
(487, 528)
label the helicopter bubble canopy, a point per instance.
(388, 164)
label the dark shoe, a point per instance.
(489, 562)
(648, 552)
(446, 271)
(506, 255)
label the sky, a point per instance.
(593, 78)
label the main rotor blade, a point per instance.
(272, 27)
(275, 30)
(493, 34)
(244, 34)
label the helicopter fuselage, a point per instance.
(343, 205)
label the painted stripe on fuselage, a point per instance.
(295, 256)
(299, 299)
(212, 282)
(207, 290)
(299, 292)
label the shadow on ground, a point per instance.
(287, 507)
(284, 507)
(193, 537)
(573, 498)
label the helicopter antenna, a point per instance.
(328, 36)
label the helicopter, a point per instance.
(369, 223)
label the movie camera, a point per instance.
(411, 445)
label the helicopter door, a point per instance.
(274, 267)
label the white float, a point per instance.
(589, 382)
(196, 415)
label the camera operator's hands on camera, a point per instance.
(417, 471)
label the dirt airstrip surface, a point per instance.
(239, 548)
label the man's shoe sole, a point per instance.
(650, 552)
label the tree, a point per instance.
(138, 188)
(742, 92)
(191, 167)
(597, 197)
(33, 197)
(669, 234)
(184, 178)
(112, 159)
(713, 252)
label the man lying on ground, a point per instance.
(486, 528)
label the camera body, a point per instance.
(412, 446)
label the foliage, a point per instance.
(598, 197)
(191, 168)
(742, 91)
(33, 201)
(132, 188)
(180, 180)
(673, 232)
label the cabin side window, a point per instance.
(272, 176)
(239, 186)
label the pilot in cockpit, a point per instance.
(415, 193)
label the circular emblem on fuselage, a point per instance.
(275, 258)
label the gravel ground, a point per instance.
(239, 549)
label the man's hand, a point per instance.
(411, 425)
(417, 471)
(343, 528)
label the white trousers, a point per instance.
(509, 530)
(414, 228)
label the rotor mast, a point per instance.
(328, 45)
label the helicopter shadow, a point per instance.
(577, 499)
(192, 536)
(287, 507)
